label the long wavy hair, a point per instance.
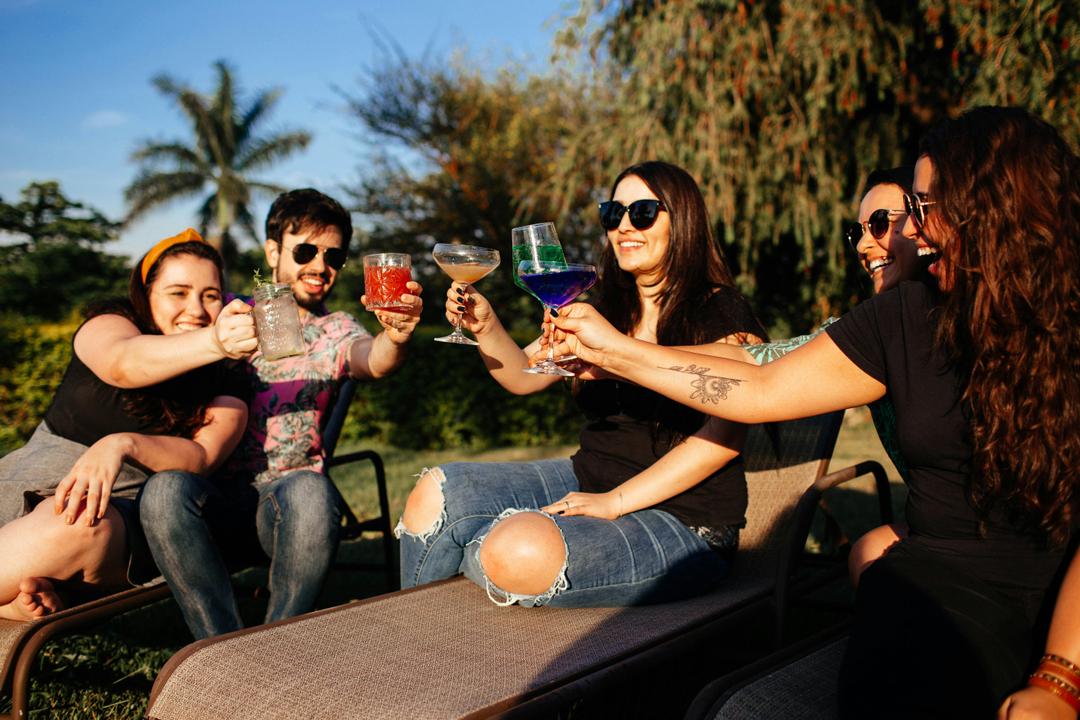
(1007, 220)
(177, 406)
(693, 268)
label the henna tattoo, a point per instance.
(707, 388)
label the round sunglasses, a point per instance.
(303, 253)
(643, 213)
(877, 225)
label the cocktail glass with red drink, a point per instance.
(554, 284)
(385, 278)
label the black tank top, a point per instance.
(86, 409)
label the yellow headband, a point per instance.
(151, 257)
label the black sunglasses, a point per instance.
(877, 224)
(916, 208)
(303, 253)
(643, 213)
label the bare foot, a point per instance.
(36, 598)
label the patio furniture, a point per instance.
(797, 683)
(21, 641)
(445, 651)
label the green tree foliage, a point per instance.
(32, 361)
(54, 262)
(222, 154)
(780, 108)
(462, 157)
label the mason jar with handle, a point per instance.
(277, 321)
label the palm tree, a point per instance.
(224, 153)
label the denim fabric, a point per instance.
(197, 531)
(643, 557)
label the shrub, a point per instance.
(441, 398)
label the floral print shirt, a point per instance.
(290, 401)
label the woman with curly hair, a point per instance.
(983, 376)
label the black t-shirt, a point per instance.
(629, 428)
(86, 409)
(891, 338)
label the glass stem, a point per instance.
(551, 342)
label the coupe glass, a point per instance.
(465, 264)
(554, 284)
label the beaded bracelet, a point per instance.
(1056, 686)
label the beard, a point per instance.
(306, 300)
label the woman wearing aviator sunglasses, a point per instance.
(649, 508)
(982, 372)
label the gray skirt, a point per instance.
(31, 473)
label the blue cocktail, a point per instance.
(555, 284)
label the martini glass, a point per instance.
(464, 264)
(554, 284)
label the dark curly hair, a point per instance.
(1007, 220)
(177, 406)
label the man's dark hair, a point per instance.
(901, 177)
(307, 209)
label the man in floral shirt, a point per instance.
(273, 493)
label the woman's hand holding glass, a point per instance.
(234, 330)
(399, 325)
(581, 330)
(468, 307)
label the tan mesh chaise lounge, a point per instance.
(21, 641)
(445, 651)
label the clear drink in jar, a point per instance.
(277, 322)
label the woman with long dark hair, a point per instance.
(983, 376)
(144, 391)
(650, 507)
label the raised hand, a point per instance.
(465, 305)
(234, 331)
(585, 333)
(399, 325)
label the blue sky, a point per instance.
(77, 93)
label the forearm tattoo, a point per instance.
(707, 388)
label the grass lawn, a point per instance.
(108, 673)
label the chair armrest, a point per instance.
(866, 467)
(803, 516)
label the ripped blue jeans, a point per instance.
(644, 557)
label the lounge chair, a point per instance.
(797, 683)
(21, 641)
(445, 651)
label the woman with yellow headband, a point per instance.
(145, 391)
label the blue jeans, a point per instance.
(197, 531)
(643, 557)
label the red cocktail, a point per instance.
(385, 278)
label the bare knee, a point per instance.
(870, 547)
(524, 554)
(424, 506)
(49, 547)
